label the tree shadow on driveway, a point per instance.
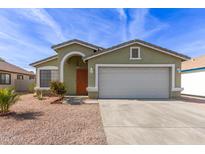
(25, 115)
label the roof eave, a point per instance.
(17, 72)
(43, 61)
(143, 44)
(61, 45)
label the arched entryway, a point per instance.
(74, 73)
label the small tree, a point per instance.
(7, 98)
(58, 88)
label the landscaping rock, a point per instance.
(39, 122)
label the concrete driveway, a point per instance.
(153, 122)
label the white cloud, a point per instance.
(192, 48)
(143, 24)
(16, 45)
(98, 26)
(123, 23)
(26, 34)
(122, 13)
(187, 41)
(40, 16)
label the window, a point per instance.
(135, 53)
(31, 77)
(19, 77)
(46, 76)
(5, 78)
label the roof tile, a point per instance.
(5, 66)
(198, 62)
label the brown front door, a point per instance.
(82, 81)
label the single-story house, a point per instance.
(193, 76)
(133, 69)
(14, 76)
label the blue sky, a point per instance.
(26, 35)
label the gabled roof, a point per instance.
(102, 51)
(198, 62)
(7, 67)
(89, 45)
(44, 60)
(143, 43)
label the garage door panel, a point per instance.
(133, 82)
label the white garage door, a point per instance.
(135, 82)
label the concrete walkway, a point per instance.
(153, 122)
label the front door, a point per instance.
(82, 81)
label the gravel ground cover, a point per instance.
(36, 121)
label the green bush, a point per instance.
(58, 88)
(31, 87)
(7, 98)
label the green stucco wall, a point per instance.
(53, 62)
(121, 56)
(74, 47)
(71, 64)
(70, 67)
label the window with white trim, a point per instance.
(46, 76)
(135, 53)
(5, 78)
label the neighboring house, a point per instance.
(14, 76)
(193, 76)
(133, 69)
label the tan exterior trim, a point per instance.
(92, 89)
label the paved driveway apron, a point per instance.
(153, 122)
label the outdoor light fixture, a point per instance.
(91, 70)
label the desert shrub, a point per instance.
(39, 94)
(42, 92)
(31, 87)
(7, 98)
(58, 88)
